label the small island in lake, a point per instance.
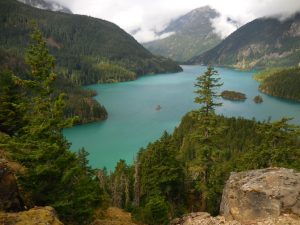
(258, 99)
(233, 95)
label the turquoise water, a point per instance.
(134, 121)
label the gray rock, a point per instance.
(261, 194)
(258, 197)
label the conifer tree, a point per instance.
(278, 145)
(41, 63)
(206, 152)
(11, 113)
(54, 175)
(207, 84)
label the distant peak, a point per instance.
(202, 12)
(203, 9)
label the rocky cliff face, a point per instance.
(267, 196)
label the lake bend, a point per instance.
(140, 111)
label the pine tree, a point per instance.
(209, 127)
(54, 175)
(44, 103)
(156, 211)
(41, 63)
(278, 147)
(121, 185)
(207, 84)
(11, 110)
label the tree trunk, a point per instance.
(137, 185)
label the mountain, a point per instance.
(192, 34)
(264, 42)
(48, 5)
(79, 101)
(87, 50)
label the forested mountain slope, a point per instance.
(47, 4)
(280, 82)
(264, 42)
(87, 50)
(79, 102)
(31, 123)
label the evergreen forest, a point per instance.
(181, 172)
(87, 50)
(40, 95)
(280, 82)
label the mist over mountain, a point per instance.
(82, 45)
(47, 4)
(191, 34)
(264, 42)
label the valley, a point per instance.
(132, 124)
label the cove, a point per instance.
(134, 121)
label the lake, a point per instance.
(134, 121)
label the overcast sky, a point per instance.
(153, 15)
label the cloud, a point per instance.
(144, 35)
(223, 26)
(146, 18)
(245, 11)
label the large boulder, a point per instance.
(258, 197)
(261, 194)
(35, 216)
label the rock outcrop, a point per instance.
(258, 197)
(35, 216)
(260, 194)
